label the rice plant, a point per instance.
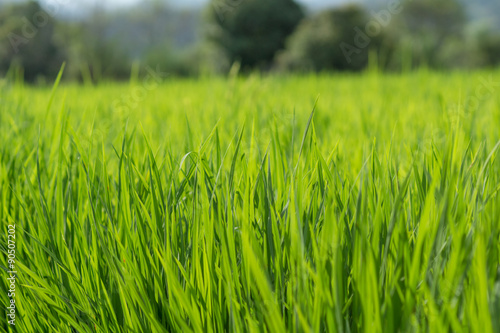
(328, 203)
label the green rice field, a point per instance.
(315, 203)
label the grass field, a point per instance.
(329, 203)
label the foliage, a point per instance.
(102, 46)
(36, 37)
(28, 41)
(252, 31)
(489, 48)
(324, 41)
(432, 33)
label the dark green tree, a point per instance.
(334, 39)
(252, 31)
(27, 40)
(489, 48)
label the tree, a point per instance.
(27, 40)
(252, 31)
(432, 32)
(489, 48)
(334, 39)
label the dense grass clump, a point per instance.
(252, 204)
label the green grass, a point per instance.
(215, 205)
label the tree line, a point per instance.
(270, 36)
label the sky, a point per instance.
(110, 4)
(77, 8)
(187, 3)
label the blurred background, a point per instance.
(116, 39)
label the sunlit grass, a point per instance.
(216, 205)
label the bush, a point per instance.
(334, 39)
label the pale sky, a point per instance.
(75, 8)
(109, 4)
